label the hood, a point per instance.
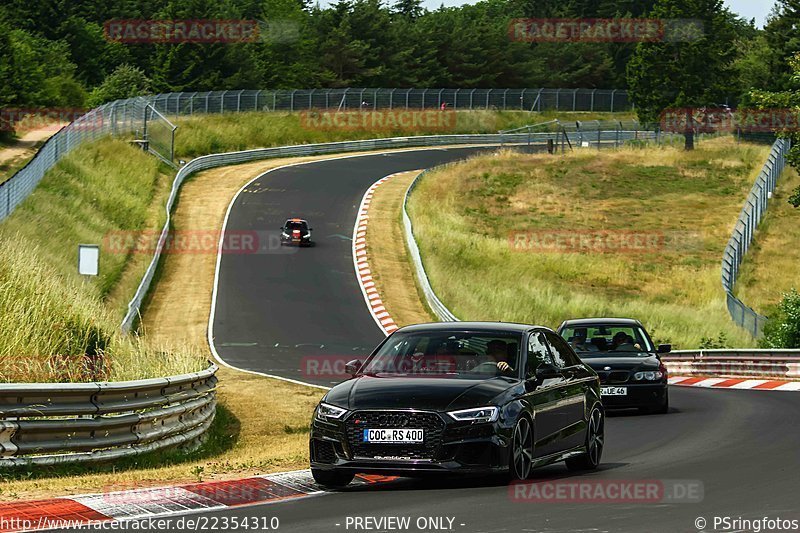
(435, 394)
(636, 363)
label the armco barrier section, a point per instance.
(600, 139)
(50, 424)
(233, 158)
(775, 364)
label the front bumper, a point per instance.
(638, 395)
(449, 448)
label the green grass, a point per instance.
(206, 134)
(55, 326)
(464, 216)
(770, 267)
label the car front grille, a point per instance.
(361, 420)
(615, 376)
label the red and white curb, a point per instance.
(118, 505)
(361, 262)
(735, 383)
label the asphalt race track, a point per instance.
(743, 447)
(276, 307)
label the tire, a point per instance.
(595, 435)
(332, 479)
(520, 460)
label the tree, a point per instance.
(125, 82)
(663, 75)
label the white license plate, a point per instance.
(394, 435)
(613, 391)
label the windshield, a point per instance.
(448, 354)
(600, 340)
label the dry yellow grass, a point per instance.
(267, 433)
(464, 216)
(771, 266)
(391, 270)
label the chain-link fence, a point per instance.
(749, 219)
(145, 117)
(134, 115)
(179, 104)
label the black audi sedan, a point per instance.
(460, 397)
(624, 356)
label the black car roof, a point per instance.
(606, 321)
(508, 327)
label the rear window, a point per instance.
(291, 226)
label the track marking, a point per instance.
(362, 270)
(735, 383)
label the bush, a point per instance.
(125, 82)
(783, 329)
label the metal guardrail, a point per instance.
(777, 364)
(603, 138)
(50, 424)
(145, 116)
(753, 211)
(233, 158)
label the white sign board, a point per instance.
(88, 259)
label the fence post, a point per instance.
(391, 98)
(613, 93)
(471, 93)
(258, 95)
(505, 103)
(574, 100)
(310, 97)
(521, 100)
(592, 104)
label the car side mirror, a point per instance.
(664, 348)
(353, 367)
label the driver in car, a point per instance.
(497, 352)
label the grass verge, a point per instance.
(206, 134)
(468, 216)
(391, 269)
(56, 326)
(770, 267)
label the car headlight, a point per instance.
(327, 412)
(648, 376)
(480, 414)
